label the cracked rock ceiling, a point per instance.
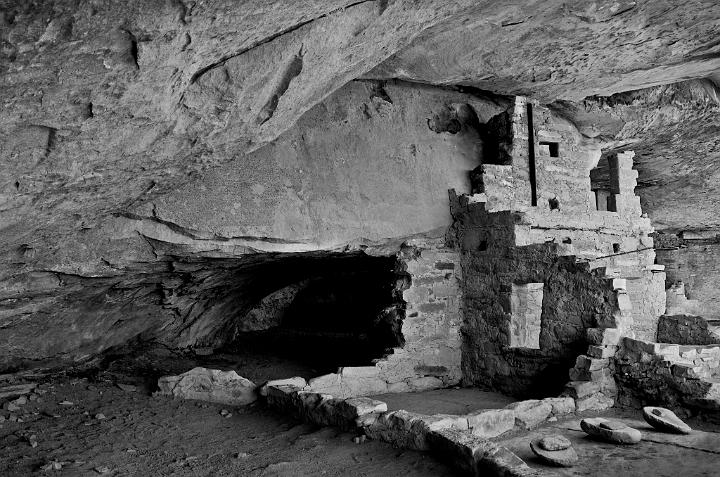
(114, 112)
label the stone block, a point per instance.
(601, 352)
(358, 386)
(365, 405)
(416, 294)
(456, 447)
(491, 422)
(638, 346)
(297, 382)
(425, 383)
(283, 398)
(445, 421)
(581, 389)
(474, 455)
(604, 336)
(561, 405)
(401, 387)
(359, 371)
(586, 363)
(598, 375)
(530, 413)
(690, 372)
(668, 350)
(211, 385)
(400, 428)
(328, 383)
(594, 402)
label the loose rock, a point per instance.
(224, 387)
(563, 457)
(554, 443)
(610, 431)
(665, 420)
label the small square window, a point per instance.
(553, 148)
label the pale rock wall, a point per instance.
(696, 264)
(370, 166)
(371, 162)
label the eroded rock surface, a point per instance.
(148, 148)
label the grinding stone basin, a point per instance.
(611, 431)
(665, 420)
(561, 456)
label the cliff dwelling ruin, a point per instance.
(329, 238)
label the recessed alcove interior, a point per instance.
(601, 187)
(301, 314)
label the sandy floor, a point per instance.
(446, 401)
(142, 436)
(107, 423)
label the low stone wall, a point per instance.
(685, 330)
(680, 377)
(430, 357)
(460, 439)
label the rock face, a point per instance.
(558, 50)
(308, 191)
(667, 125)
(155, 156)
(212, 385)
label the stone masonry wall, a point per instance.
(429, 274)
(696, 264)
(596, 267)
(573, 298)
(676, 376)
(685, 330)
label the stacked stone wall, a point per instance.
(676, 376)
(430, 357)
(696, 265)
(573, 297)
(647, 298)
(685, 330)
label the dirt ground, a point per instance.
(104, 420)
(141, 435)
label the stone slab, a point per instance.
(211, 385)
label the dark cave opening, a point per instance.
(338, 310)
